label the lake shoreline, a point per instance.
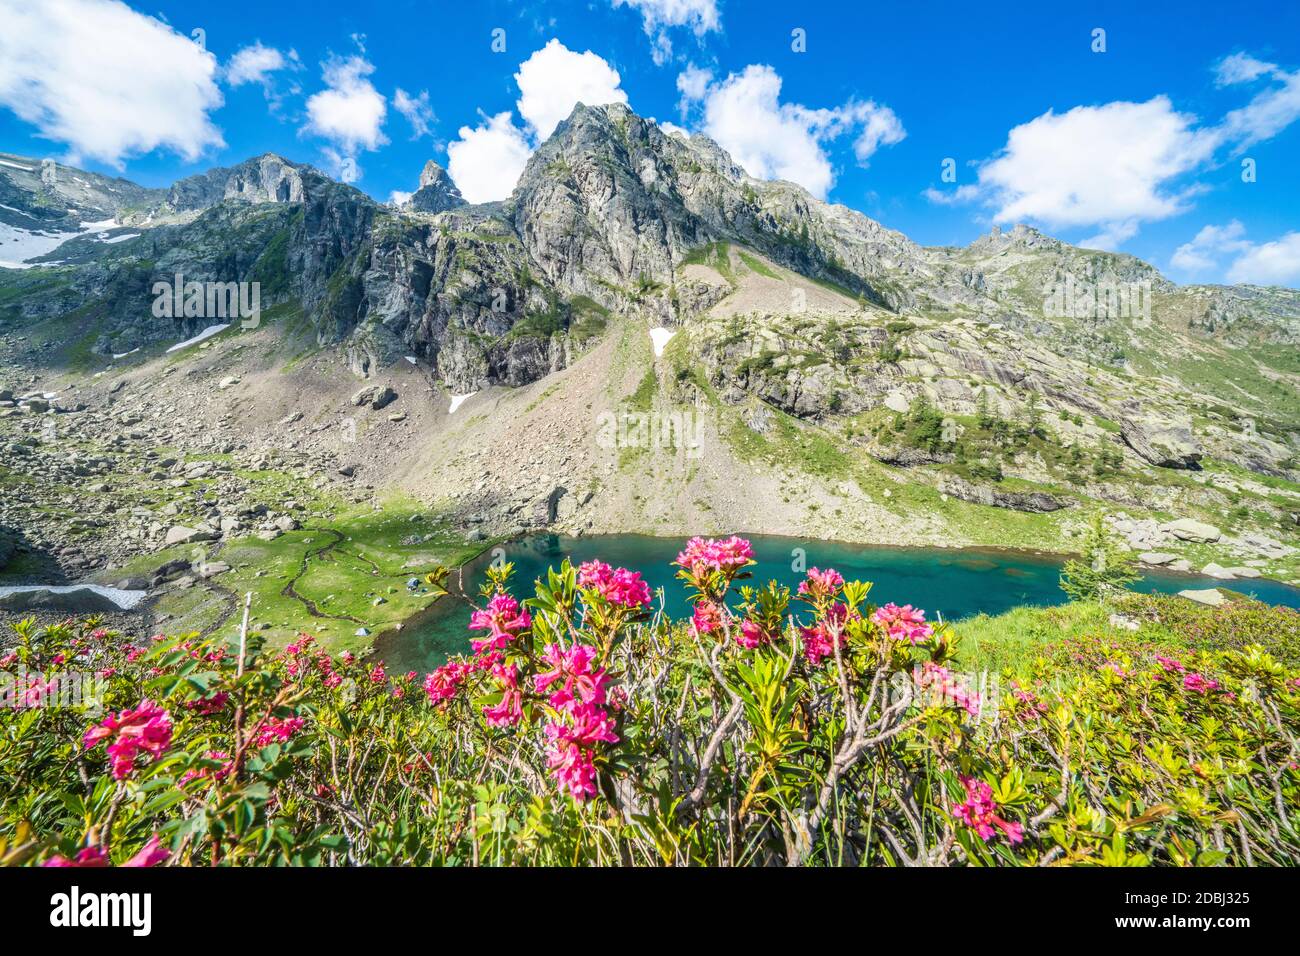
(1005, 570)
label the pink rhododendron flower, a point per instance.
(591, 725)
(378, 675)
(278, 731)
(152, 853)
(203, 773)
(618, 586)
(443, 683)
(753, 634)
(1028, 704)
(89, 856)
(570, 753)
(819, 640)
(713, 555)
(979, 812)
(938, 680)
(903, 623)
(1199, 683)
(573, 767)
(207, 706)
(510, 710)
(1170, 665)
(503, 619)
(580, 682)
(820, 585)
(708, 617)
(145, 729)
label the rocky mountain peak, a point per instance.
(265, 178)
(437, 192)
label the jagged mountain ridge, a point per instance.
(605, 220)
(607, 200)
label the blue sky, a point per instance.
(1138, 148)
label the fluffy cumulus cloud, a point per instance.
(776, 140)
(349, 113)
(417, 111)
(1096, 165)
(1266, 263)
(555, 79)
(486, 161)
(105, 80)
(1203, 253)
(1270, 263)
(660, 16)
(256, 63)
(1113, 167)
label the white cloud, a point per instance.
(417, 111)
(486, 161)
(775, 140)
(1266, 115)
(555, 79)
(397, 197)
(1202, 254)
(1271, 263)
(959, 195)
(349, 113)
(1267, 263)
(1111, 166)
(1112, 236)
(880, 126)
(1121, 164)
(106, 80)
(255, 63)
(1240, 68)
(658, 16)
(693, 83)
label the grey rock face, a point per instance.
(1164, 443)
(437, 193)
(265, 178)
(1037, 501)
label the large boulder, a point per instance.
(376, 396)
(1189, 529)
(183, 535)
(1212, 597)
(1162, 442)
(1157, 558)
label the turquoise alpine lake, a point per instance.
(948, 583)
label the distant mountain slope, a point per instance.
(811, 307)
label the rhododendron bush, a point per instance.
(580, 726)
